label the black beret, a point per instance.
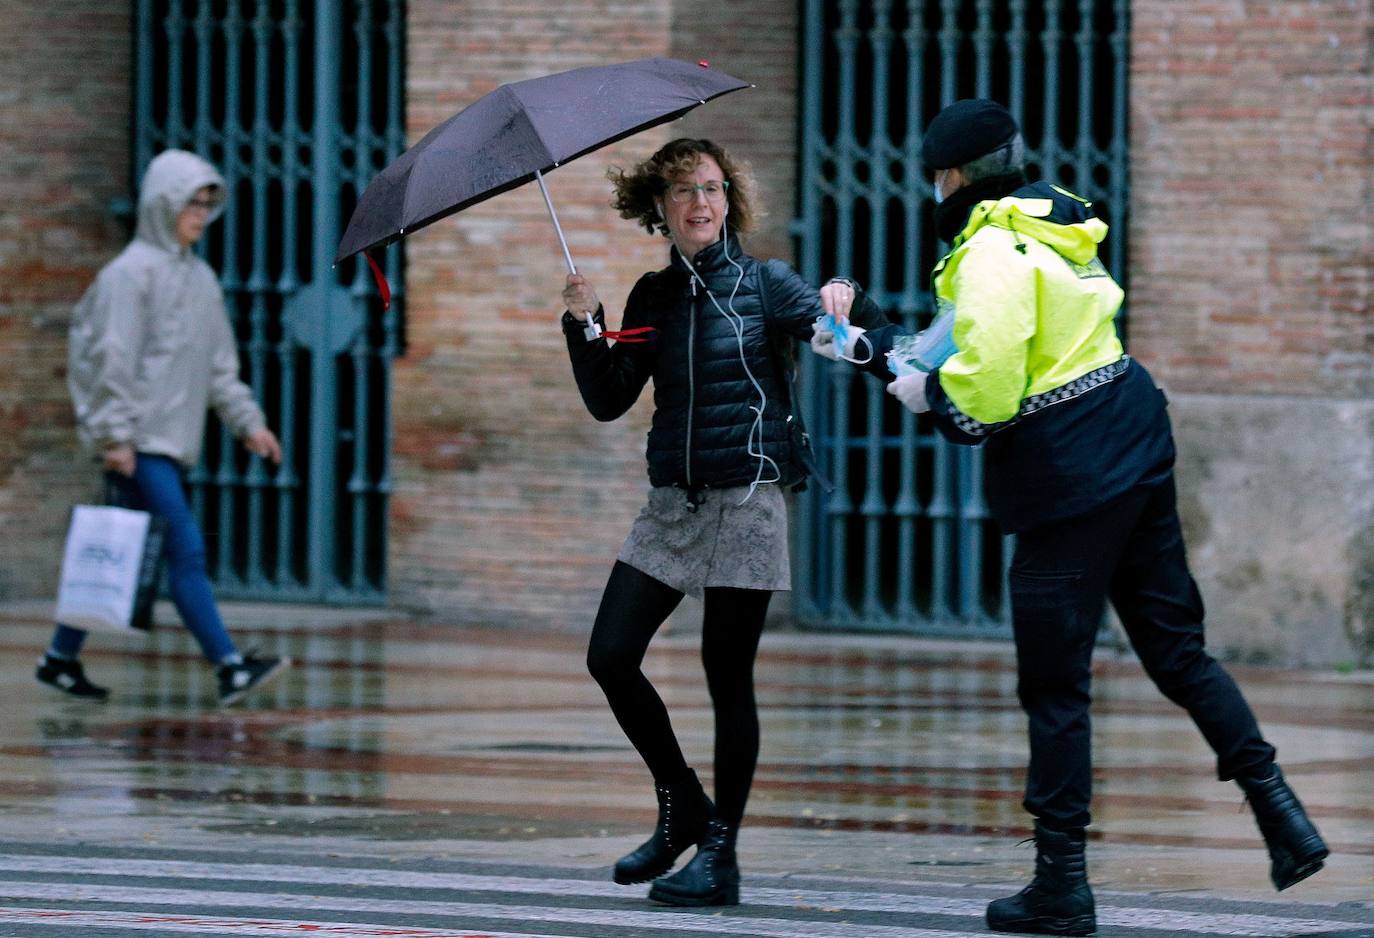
(965, 131)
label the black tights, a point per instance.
(632, 608)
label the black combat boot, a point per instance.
(712, 878)
(1058, 900)
(683, 810)
(1296, 850)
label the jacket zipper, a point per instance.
(691, 376)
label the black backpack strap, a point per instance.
(782, 348)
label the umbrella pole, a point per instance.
(592, 330)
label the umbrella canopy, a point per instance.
(519, 131)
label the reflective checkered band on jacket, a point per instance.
(1065, 392)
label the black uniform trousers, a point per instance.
(1129, 550)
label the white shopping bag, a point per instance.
(109, 569)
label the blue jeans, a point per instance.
(157, 487)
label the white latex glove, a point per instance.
(823, 340)
(911, 391)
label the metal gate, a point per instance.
(298, 103)
(904, 541)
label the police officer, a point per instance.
(1078, 456)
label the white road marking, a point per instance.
(824, 902)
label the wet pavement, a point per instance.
(412, 778)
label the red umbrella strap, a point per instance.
(642, 334)
(382, 286)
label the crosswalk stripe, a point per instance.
(827, 901)
(239, 926)
(709, 923)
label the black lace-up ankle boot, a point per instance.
(1058, 900)
(1296, 850)
(712, 878)
(683, 810)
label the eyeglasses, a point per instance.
(682, 192)
(205, 205)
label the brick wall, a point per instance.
(511, 501)
(1251, 154)
(1251, 249)
(64, 157)
(757, 42)
(1252, 261)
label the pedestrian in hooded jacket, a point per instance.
(1078, 464)
(150, 350)
(707, 329)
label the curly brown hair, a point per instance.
(636, 192)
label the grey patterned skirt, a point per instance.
(722, 543)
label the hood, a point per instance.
(1053, 216)
(173, 177)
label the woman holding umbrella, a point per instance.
(713, 330)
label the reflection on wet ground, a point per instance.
(884, 760)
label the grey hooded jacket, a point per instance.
(150, 346)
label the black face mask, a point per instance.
(952, 214)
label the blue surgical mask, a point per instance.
(936, 193)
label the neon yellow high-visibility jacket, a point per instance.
(1066, 420)
(1033, 306)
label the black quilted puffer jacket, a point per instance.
(704, 398)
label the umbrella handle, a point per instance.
(591, 330)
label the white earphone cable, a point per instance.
(737, 324)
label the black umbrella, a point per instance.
(519, 132)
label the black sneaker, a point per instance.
(236, 680)
(67, 676)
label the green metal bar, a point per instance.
(321, 570)
(941, 511)
(972, 516)
(232, 134)
(874, 507)
(259, 283)
(914, 298)
(291, 138)
(844, 148)
(806, 228)
(359, 483)
(1118, 187)
(226, 480)
(143, 87)
(225, 476)
(984, 39)
(1017, 39)
(917, 188)
(391, 346)
(175, 25)
(846, 145)
(286, 481)
(949, 51)
(907, 510)
(1051, 147)
(204, 29)
(840, 505)
(1085, 151)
